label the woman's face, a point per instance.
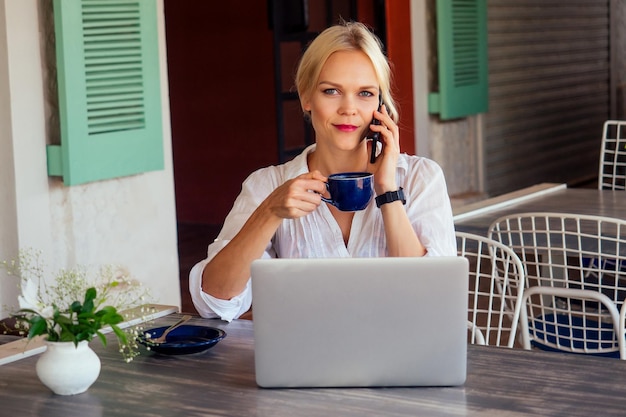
(343, 102)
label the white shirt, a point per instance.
(317, 235)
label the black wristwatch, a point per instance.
(390, 197)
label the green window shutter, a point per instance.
(109, 90)
(462, 56)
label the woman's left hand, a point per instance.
(384, 168)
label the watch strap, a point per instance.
(390, 197)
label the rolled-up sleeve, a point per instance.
(211, 307)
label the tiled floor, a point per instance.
(193, 240)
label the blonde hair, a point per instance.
(346, 36)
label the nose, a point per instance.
(347, 106)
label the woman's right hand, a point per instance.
(298, 196)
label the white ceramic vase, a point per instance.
(68, 369)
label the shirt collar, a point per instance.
(299, 165)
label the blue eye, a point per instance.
(366, 94)
(330, 91)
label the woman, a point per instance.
(279, 212)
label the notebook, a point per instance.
(360, 322)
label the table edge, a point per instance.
(515, 197)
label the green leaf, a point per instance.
(66, 329)
(102, 338)
(106, 310)
(90, 294)
(109, 315)
(67, 337)
(63, 320)
(38, 326)
(121, 336)
(85, 335)
(114, 319)
(76, 307)
(88, 307)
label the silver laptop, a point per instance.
(360, 322)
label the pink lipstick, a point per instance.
(346, 128)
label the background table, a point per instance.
(220, 382)
(477, 219)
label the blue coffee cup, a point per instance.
(349, 191)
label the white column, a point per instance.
(24, 206)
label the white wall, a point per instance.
(128, 221)
(8, 209)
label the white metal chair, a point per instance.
(612, 173)
(622, 325)
(575, 286)
(475, 335)
(495, 290)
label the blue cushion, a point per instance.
(564, 330)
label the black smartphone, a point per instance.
(375, 135)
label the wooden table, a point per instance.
(546, 198)
(220, 382)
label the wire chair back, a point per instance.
(612, 173)
(574, 276)
(495, 290)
